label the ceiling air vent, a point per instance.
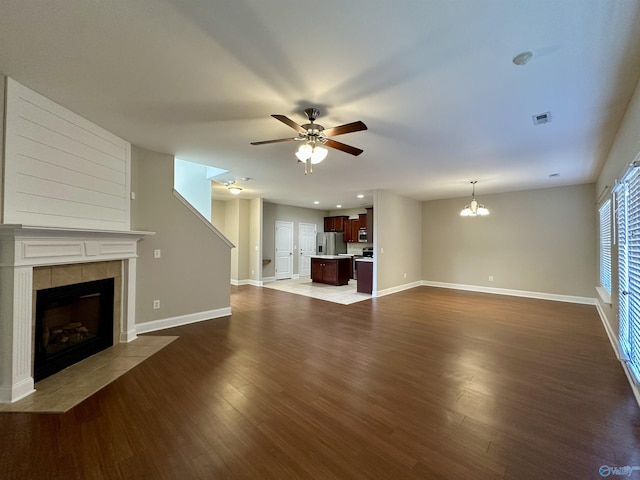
(541, 118)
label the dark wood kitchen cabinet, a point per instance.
(365, 277)
(335, 224)
(369, 225)
(331, 271)
(353, 226)
(348, 231)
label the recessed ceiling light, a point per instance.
(316, 202)
(522, 58)
(360, 196)
(338, 206)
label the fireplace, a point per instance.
(41, 258)
(73, 322)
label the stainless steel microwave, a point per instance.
(362, 235)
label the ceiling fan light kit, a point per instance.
(474, 209)
(315, 138)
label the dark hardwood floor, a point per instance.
(423, 384)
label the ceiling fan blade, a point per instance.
(274, 141)
(291, 123)
(346, 128)
(342, 146)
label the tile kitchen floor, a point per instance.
(344, 294)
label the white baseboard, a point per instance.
(268, 279)
(399, 288)
(514, 293)
(247, 281)
(171, 322)
(128, 336)
(613, 338)
(16, 392)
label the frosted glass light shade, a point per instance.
(474, 209)
(318, 154)
(304, 152)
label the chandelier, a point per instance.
(474, 208)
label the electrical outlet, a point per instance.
(156, 253)
(156, 304)
(405, 275)
(491, 278)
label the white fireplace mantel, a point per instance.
(24, 247)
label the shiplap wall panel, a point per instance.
(66, 162)
(62, 208)
(69, 193)
(54, 173)
(60, 169)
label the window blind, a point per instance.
(633, 273)
(605, 245)
(623, 270)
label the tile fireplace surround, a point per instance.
(24, 248)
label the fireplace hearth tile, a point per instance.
(67, 388)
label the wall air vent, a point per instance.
(541, 118)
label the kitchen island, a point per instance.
(330, 269)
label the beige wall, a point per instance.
(625, 149)
(285, 213)
(242, 247)
(3, 81)
(240, 221)
(255, 240)
(397, 231)
(192, 275)
(237, 230)
(232, 232)
(218, 215)
(538, 241)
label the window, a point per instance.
(628, 238)
(605, 245)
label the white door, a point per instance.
(307, 241)
(284, 250)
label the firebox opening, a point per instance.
(73, 322)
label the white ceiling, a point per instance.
(432, 79)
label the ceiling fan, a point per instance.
(315, 136)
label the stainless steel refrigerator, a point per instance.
(330, 243)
